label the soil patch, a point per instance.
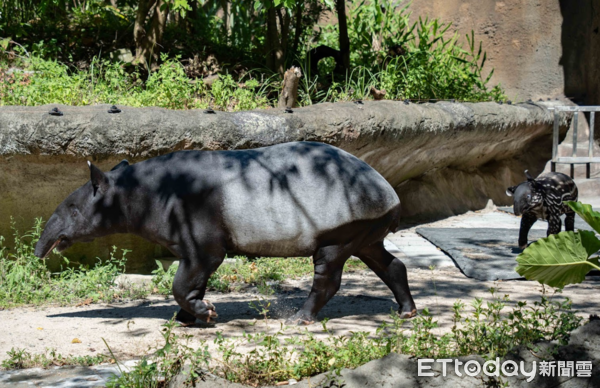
(363, 303)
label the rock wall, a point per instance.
(522, 40)
(536, 48)
(442, 159)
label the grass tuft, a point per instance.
(25, 279)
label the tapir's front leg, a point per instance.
(527, 222)
(554, 225)
(189, 287)
(570, 222)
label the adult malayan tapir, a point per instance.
(286, 200)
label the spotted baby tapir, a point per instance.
(543, 198)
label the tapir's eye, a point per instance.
(74, 213)
(528, 196)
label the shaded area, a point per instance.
(280, 308)
(483, 254)
(580, 41)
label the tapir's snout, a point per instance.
(518, 209)
(42, 251)
(51, 237)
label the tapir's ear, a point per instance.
(124, 163)
(511, 190)
(99, 180)
(529, 177)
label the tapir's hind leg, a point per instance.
(393, 273)
(329, 263)
(189, 287)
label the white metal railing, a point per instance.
(574, 159)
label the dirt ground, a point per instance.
(133, 328)
(362, 304)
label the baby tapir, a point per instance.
(542, 198)
(292, 199)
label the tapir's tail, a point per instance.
(395, 213)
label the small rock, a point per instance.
(123, 55)
(489, 207)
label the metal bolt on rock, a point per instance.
(114, 109)
(55, 112)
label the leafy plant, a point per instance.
(375, 26)
(230, 95)
(167, 362)
(564, 258)
(490, 333)
(44, 81)
(415, 61)
(22, 359)
(489, 330)
(25, 279)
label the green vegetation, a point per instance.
(262, 272)
(160, 368)
(79, 60)
(25, 279)
(491, 330)
(422, 61)
(564, 258)
(107, 82)
(22, 359)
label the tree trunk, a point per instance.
(340, 6)
(289, 95)
(192, 18)
(274, 52)
(139, 31)
(284, 29)
(226, 7)
(299, 29)
(148, 43)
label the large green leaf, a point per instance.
(589, 241)
(559, 259)
(587, 213)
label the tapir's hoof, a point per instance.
(209, 305)
(299, 322)
(300, 319)
(212, 314)
(206, 318)
(522, 246)
(407, 314)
